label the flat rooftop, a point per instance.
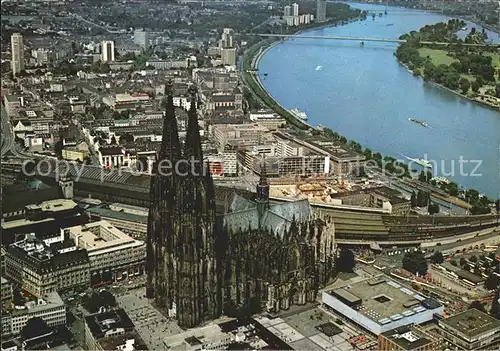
(471, 323)
(124, 216)
(383, 300)
(50, 207)
(99, 235)
(53, 205)
(51, 300)
(408, 338)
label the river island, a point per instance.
(467, 67)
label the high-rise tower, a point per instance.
(320, 10)
(181, 260)
(287, 11)
(108, 51)
(17, 48)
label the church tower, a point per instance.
(262, 198)
(163, 212)
(181, 260)
(198, 290)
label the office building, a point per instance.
(295, 10)
(408, 338)
(237, 334)
(287, 11)
(50, 308)
(112, 330)
(46, 216)
(6, 289)
(471, 330)
(227, 40)
(380, 304)
(132, 224)
(107, 51)
(43, 266)
(320, 10)
(17, 48)
(228, 56)
(113, 255)
(141, 38)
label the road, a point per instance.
(78, 17)
(7, 133)
(8, 139)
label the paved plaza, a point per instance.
(149, 322)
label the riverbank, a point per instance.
(480, 102)
(253, 83)
(468, 75)
(405, 5)
(353, 117)
(251, 59)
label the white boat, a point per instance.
(318, 68)
(420, 161)
(298, 114)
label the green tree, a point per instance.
(491, 282)
(495, 305)
(463, 262)
(464, 85)
(415, 262)
(433, 208)
(478, 305)
(35, 326)
(413, 200)
(475, 86)
(345, 261)
(437, 257)
(58, 147)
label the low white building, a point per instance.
(210, 337)
(380, 304)
(50, 308)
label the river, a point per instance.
(364, 94)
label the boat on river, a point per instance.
(298, 114)
(422, 123)
(421, 161)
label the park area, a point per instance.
(441, 57)
(438, 57)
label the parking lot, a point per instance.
(149, 322)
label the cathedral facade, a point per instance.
(256, 256)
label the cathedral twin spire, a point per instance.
(170, 146)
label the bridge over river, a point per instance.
(368, 39)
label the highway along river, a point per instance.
(364, 94)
